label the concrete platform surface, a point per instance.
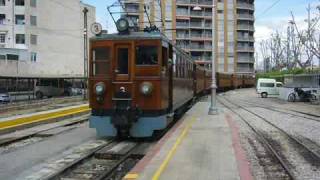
(200, 146)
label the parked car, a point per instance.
(266, 87)
(4, 96)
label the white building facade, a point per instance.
(42, 38)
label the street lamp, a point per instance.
(213, 110)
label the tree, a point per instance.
(310, 37)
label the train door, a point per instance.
(123, 63)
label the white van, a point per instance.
(267, 87)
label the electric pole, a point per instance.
(85, 52)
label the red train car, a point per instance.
(139, 79)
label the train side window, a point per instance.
(101, 61)
(146, 55)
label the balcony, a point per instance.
(182, 25)
(245, 6)
(182, 36)
(206, 3)
(246, 17)
(183, 2)
(245, 27)
(245, 38)
(196, 24)
(245, 49)
(245, 59)
(200, 48)
(245, 70)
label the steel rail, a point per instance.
(316, 154)
(265, 142)
(272, 108)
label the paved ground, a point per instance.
(200, 148)
(223, 147)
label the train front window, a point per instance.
(123, 56)
(101, 61)
(146, 55)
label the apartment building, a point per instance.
(42, 38)
(206, 29)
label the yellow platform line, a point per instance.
(172, 151)
(42, 117)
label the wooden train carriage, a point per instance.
(183, 84)
(249, 81)
(237, 81)
(199, 83)
(224, 81)
(208, 80)
(129, 77)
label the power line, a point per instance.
(268, 8)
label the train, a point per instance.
(139, 80)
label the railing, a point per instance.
(246, 59)
(182, 24)
(245, 16)
(244, 38)
(245, 27)
(244, 70)
(182, 35)
(243, 48)
(196, 13)
(183, 1)
(196, 35)
(201, 35)
(196, 24)
(245, 6)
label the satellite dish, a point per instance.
(96, 28)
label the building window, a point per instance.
(2, 57)
(20, 39)
(33, 56)
(2, 18)
(33, 39)
(2, 2)
(33, 20)
(20, 20)
(2, 38)
(13, 57)
(19, 2)
(33, 3)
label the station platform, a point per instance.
(200, 146)
(14, 122)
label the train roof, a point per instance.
(130, 36)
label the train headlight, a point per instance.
(146, 88)
(122, 25)
(100, 88)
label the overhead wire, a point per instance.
(267, 9)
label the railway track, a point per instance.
(111, 161)
(305, 115)
(279, 142)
